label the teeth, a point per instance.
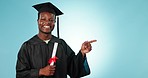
(46, 26)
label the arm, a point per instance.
(77, 65)
(23, 66)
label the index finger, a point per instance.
(92, 41)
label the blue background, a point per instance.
(120, 27)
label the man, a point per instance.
(46, 56)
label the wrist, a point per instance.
(83, 53)
(40, 72)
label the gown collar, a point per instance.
(36, 40)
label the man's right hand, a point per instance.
(47, 71)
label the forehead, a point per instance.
(47, 14)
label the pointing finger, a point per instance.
(92, 41)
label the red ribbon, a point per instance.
(54, 59)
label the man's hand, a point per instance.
(47, 71)
(86, 47)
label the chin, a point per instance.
(44, 32)
(47, 32)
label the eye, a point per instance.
(51, 20)
(42, 18)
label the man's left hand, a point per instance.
(86, 46)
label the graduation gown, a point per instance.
(35, 53)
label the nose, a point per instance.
(46, 23)
(49, 22)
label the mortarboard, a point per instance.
(49, 7)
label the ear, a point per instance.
(38, 21)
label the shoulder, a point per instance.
(33, 40)
(29, 42)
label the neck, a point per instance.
(44, 36)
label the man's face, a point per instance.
(46, 22)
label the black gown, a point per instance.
(35, 53)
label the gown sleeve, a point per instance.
(23, 69)
(77, 64)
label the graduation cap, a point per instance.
(49, 7)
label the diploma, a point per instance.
(53, 58)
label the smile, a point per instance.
(46, 26)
